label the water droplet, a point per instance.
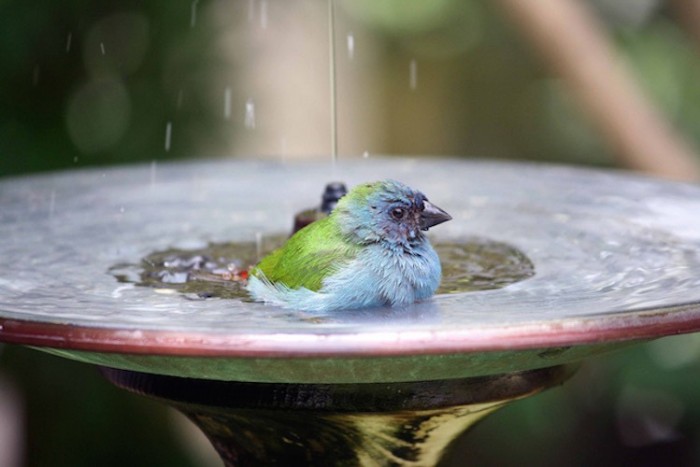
(121, 209)
(250, 114)
(413, 74)
(227, 103)
(168, 135)
(69, 40)
(193, 13)
(351, 46)
(102, 47)
(365, 154)
(35, 75)
(117, 293)
(333, 83)
(263, 14)
(165, 291)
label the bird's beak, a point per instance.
(432, 215)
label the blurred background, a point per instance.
(609, 83)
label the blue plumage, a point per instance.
(371, 251)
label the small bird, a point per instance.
(370, 251)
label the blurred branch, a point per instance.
(687, 13)
(575, 45)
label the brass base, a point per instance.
(409, 423)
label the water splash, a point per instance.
(193, 13)
(351, 46)
(413, 74)
(227, 103)
(168, 135)
(69, 41)
(249, 120)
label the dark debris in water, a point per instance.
(220, 270)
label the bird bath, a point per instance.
(616, 260)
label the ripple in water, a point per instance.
(220, 270)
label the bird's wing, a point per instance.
(311, 255)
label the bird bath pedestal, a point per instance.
(616, 260)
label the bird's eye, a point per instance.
(398, 213)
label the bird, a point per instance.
(370, 251)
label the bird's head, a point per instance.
(387, 211)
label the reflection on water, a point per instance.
(220, 269)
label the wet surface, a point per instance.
(602, 245)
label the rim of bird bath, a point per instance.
(616, 259)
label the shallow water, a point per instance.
(220, 269)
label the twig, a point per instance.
(575, 45)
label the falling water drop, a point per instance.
(263, 14)
(69, 40)
(249, 120)
(333, 82)
(365, 154)
(413, 74)
(227, 103)
(351, 46)
(193, 13)
(168, 135)
(102, 47)
(35, 75)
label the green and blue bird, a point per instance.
(370, 251)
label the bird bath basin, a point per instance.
(615, 260)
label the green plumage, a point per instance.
(313, 253)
